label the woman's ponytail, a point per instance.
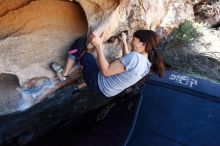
(152, 40)
(157, 62)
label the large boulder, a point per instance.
(34, 33)
(113, 17)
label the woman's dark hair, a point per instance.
(151, 39)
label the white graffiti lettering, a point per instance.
(184, 80)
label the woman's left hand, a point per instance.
(123, 37)
(97, 40)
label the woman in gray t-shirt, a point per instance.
(112, 78)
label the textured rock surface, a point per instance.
(10, 98)
(177, 12)
(115, 16)
(207, 11)
(34, 33)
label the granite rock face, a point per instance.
(113, 17)
(35, 32)
(207, 11)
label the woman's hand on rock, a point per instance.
(123, 37)
(96, 40)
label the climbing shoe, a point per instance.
(58, 70)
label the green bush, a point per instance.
(185, 34)
(184, 54)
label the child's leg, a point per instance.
(75, 50)
(69, 64)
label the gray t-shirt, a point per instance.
(137, 66)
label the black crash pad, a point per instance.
(173, 110)
(178, 110)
